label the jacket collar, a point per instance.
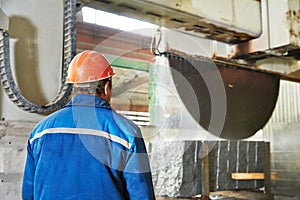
(88, 100)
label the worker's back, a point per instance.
(87, 151)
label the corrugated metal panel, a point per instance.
(288, 104)
(283, 132)
(287, 109)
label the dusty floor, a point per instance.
(237, 195)
(287, 198)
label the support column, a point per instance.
(267, 170)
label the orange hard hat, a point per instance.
(89, 66)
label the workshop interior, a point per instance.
(214, 86)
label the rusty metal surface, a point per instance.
(251, 95)
(280, 33)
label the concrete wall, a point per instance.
(13, 141)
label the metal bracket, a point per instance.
(156, 41)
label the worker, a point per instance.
(86, 150)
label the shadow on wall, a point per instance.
(26, 59)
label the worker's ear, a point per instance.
(107, 90)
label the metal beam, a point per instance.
(229, 21)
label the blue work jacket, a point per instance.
(86, 151)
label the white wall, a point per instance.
(36, 30)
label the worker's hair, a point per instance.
(93, 88)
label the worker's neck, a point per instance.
(105, 97)
(102, 95)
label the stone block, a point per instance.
(176, 166)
